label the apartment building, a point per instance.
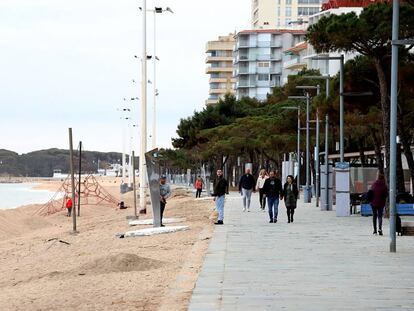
(283, 14)
(258, 60)
(220, 68)
(295, 57)
(336, 7)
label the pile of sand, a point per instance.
(120, 263)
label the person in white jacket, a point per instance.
(259, 187)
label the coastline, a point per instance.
(40, 269)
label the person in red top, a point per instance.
(199, 186)
(379, 196)
(69, 205)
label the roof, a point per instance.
(297, 48)
(334, 4)
(292, 31)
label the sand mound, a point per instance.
(180, 193)
(120, 263)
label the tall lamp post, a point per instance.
(155, 11)
(142, 166)
(307, 191)
(327, 78)
(298, 144)
(341, 99)
(393, 117)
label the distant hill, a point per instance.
(42, 163)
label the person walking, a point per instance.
(165, 193)
(273, 191)
(246, 187)
(259, 187)
(379, 196)
(290, 194)
(69, 205)
(198, 186)
(221, 188)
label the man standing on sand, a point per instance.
(221, 188)
(246, 187)
(165, 193)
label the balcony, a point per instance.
(222, 80)
(263, 44)
(213, 59)
(219, 69)
(246, 71)
(264, 70)
(276, 70)
(244, 84)
(276, 57)
(294, 64)
(263, 57)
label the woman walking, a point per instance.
(290, 194)
(379, 196)
(259, 187)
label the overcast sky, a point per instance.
(70, 64)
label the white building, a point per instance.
(258, 60)
(293, 14)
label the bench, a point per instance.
(402, 209)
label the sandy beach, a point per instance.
(45, 267)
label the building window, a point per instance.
(262, 77)
(288, 11)
(288, 2)
(263, 64)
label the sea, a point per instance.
(15, 195)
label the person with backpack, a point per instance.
(246, 188)
(198, 186)
(290, 194)
(273, 191)
(377, 196)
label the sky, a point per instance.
(71, 63)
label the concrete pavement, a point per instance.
(319, 262)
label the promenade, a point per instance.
(319, 262)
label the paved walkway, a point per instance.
(320, 262)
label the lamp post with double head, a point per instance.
(341, 99)
(155, 11)
(298, 144)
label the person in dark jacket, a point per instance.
(379, 196)
(290, 194)
(221, 188)
(273, 191)
(246, 187)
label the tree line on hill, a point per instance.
(247, 130)
(42, 163)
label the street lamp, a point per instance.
(327, 78)
(341, 99)
(317, 88)
(298, 144)
(306, 194)
(155, 11)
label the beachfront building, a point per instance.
(220, 68)
(294, 58)
(330, 7)
(283, 14)
(258, 60)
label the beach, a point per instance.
(46, 267)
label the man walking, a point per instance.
(165, 193)
(246, 187)
(221, 188)
(273, 191)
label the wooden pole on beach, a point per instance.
(134, 185)
(72, 174)
(80, 173)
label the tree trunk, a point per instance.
(385, 107)
(361, 152)
(400, 171)
(378, 154)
